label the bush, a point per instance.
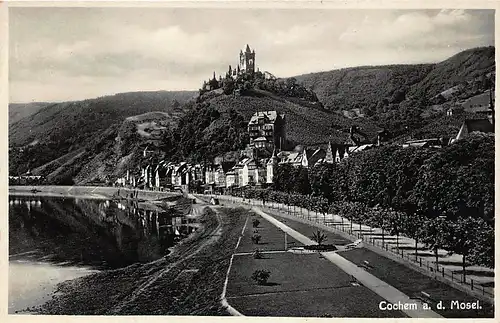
(255, 223)
(257, 254)
(256, 238)
(261, 276)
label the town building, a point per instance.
(424, 143)
(271, 165)
(267, 130)
(474, 125)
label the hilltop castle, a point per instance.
(246, 66)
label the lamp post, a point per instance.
(286, 239)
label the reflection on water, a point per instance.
(96, 233)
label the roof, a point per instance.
(270, 117)
(421, 140)
(359, 148)
(315, 156)
(226, 166)
(479, 109)
(481, 125)
(290, 157)
(415, 144)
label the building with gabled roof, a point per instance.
(474, 125)
(266, 130)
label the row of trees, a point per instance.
(442, 198)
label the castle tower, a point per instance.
(247, 60)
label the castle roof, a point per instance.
(269, 115)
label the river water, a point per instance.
(55, 239)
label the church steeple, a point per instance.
(337, 156)
(329, 154)
(247, 50)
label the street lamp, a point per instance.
(286, 237)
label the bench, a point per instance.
(366, 265)
(425, 297)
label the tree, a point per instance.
(412, 225)
(301, 181)
(458, 181)
(465, 238)
(283, 178)
(229, 86)
(435, 234)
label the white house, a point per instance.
(270, 167)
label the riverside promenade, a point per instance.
(382, 280)
(411, 307)
(479, 280)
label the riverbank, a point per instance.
(187, 282)
(89, 192)
(32, 284)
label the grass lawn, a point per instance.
(272, 237)
(401, 277)
(299, 285)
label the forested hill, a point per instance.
(75, 122)
(378, 88)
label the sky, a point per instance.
(64, 54)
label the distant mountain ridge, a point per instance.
(18, 111)
(59, 120)
(382, 87)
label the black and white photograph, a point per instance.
(265, 160)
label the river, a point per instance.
(55, 239)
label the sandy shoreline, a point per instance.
(32, 284)
(87, 192)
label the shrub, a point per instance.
(261, 276)
(257, 254)
(256, 238)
